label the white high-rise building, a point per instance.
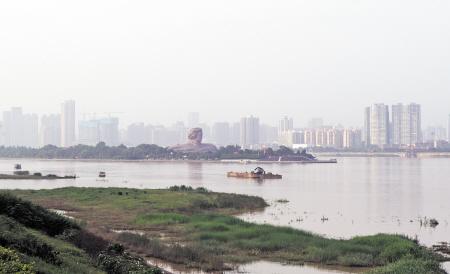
(13, 127)
(448, 129)
(235, 133)
(20, 129)
(376, 125)
(137, 134)
(249, 131)
(31, 130)
(92, 132)
(221, 133)
(285, 124)
(285, 127)
(406, 124)
(50, 130)
(334, 138)
(351, 138)
(68, 123)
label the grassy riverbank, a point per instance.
(196, 228)
(35, 240)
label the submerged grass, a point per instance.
(197, 228)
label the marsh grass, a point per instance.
(203, 229)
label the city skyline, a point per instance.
(186, 118)
(302, 59)
(398, 125)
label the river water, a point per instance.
(356, 196)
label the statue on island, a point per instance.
(194, 144)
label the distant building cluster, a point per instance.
(397, 126)
(58, 129)
(404, 129)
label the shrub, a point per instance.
(34, 216)
(10, 263)
(410, 266)
(15, 237)
(85, 240)
(115, 261)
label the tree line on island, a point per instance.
(145, 152)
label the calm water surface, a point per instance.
(357, 196)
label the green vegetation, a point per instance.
(11, 263)
(196, 228)
(410, 266)
(141, 152)
(35, 240)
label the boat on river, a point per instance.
(259, 173)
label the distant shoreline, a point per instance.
(224, 161)
(324, 155)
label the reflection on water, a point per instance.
(261, 267)
(357, 196)
(264, 267)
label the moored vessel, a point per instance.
(258, 173)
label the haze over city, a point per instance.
(156, 61)
(225, 136)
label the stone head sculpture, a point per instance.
(195, 136)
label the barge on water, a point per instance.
(258, 173)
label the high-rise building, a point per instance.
(193, 120)
(351, 138)
(20, 129)
(292, 138)
(310, 138)
(68, 123)
(321, 138)
(137, 134)
(366, 130)
(268, 134)
(448, 129)
(31, 130)
(376, 126)
(180, 131)
(235, 133)
(285, 124)
(92, 132)
(406, 124)
(334, 138)
(221, 133)
(435, 133)
(249, 131)
(13, 127)
(162, 136)
(50, 131)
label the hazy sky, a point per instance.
(154, 61)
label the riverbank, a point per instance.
(35, 240)
(196, 228)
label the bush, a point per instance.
(15, 237)
(115, 261)
(10, 263)
(34, 216)
(410, 266)
(85, 240)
